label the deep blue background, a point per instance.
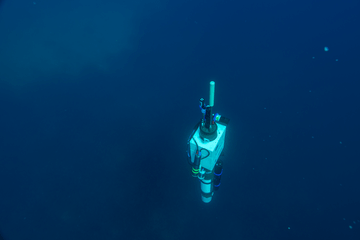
(101, 154)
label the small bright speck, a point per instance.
(344, 219)
(340, 142)
(326, 49)
(350, 227)
(309, 90)
(336, 59)
(289, 228)
(312, 136)
(313, 57)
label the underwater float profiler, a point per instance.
(205, 146)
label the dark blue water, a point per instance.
(97, 100)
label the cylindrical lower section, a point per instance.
(206, 187)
